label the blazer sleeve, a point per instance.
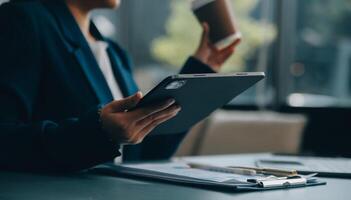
(27, 144)
(163, 147)
(195, 66)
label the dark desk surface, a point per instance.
(15, 186)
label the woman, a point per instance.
(64, 89)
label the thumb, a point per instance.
(206, 28)
(205, 33)
(126, 103)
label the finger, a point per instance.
(227, 53)
(154, 117)
(232, 45)
(145, 131)
(217, 60)
(142, 113)
(206, 28)
(222, 58)
(213, 47)
(126, 103)
(206, 37)
(229, 47)
(205, 33)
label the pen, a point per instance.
(268, 171)
(279, 162)
(241, 171)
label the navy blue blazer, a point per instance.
(50, 89)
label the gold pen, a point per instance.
(269, 171)
(241, 171)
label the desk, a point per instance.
(14, 186)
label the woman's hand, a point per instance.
(209, 54)
(131, 127)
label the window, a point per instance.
(316, 53)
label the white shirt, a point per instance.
(99, 49)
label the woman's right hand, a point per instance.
(131, 127)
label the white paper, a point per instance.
(182, 169)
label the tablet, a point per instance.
(198, 95)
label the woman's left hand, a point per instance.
(209, 54)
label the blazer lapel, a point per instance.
(124, 77)
(81, 50)
(119, 65)
(94, 76)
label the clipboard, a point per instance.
(144, 171)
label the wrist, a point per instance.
(100, 113)
(201, 56)
(206, 62)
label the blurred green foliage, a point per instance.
(183, 35)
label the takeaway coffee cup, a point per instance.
(218, 14)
